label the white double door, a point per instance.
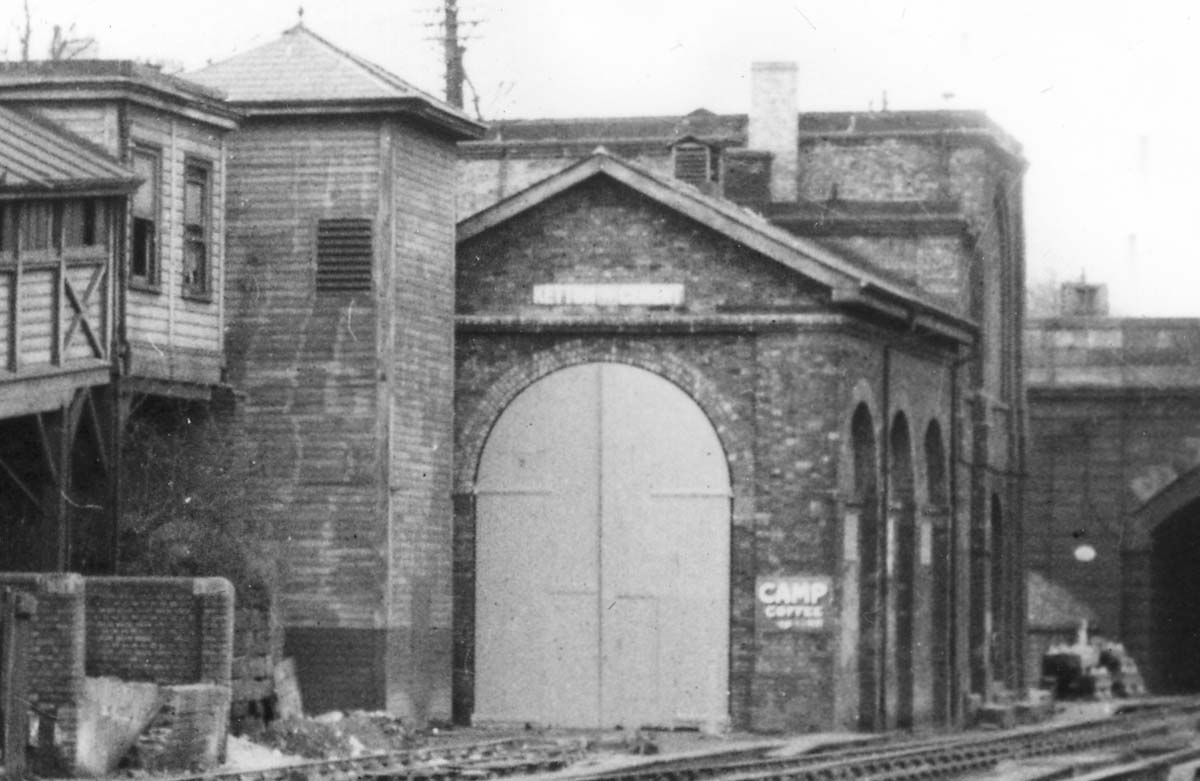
(602, 556)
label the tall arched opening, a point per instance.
(997, 590)
(1175, 602)
(902, 507)
(941, 647)
(870, 578)
(602, 556)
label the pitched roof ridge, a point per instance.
(374, 70)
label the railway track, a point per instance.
(478, 760)
(1160, 730)
(950, 757)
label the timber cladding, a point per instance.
(173, 323)
(349, 391)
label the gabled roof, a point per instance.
(851, 284)
(38, 158)
(301, 72)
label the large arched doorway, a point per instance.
(602, 556)
(1175, 601)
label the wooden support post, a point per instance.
(61, 519)
(57, 435)
(110, 415)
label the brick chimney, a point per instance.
(774, 123)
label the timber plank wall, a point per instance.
(173, 336)
(350, 396)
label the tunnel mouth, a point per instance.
(1175, 602)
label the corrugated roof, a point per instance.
(37, 156)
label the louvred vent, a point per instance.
(691, 164)
(344, 256)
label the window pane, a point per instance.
(145, 165)
(36, 219)
(75, 229)
(141, 265)
(193, 203)
(195, 271)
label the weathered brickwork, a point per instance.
(56, 677)
(938, 264)
(1114, 427)
(779, 397)
(161, 630)
(593, 235)
(168, 631)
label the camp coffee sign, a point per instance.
(793, 603)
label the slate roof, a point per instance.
(300, 69)
(37, 157)
(852, 283)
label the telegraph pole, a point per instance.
(455, 75)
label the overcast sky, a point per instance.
(1103, 95)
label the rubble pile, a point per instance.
(1091, 667)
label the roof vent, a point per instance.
(694, 163)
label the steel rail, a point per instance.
(430, 762)
(942, 757)
(884, 756)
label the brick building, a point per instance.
(741, 396)
(1115, 428)
(341, 236)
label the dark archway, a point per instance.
(1175, 602)
(870, 580)
(941, 649)
(901, 506)
(999, 585)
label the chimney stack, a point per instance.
(774, 123)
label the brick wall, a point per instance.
(165, 630)
(56, 670)
(778, 395)
(161, 630)
(1114, 420)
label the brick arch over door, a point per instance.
(477, 416)
(734, 433)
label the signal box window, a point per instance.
(85, 224)
(197, 230)
(143, 260)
